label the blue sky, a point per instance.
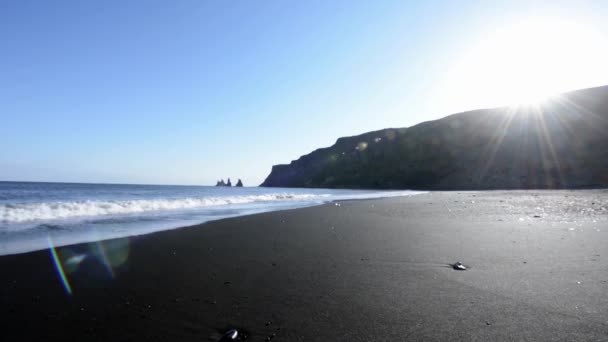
(187, 92)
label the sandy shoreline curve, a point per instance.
(362, 270)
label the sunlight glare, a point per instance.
(526, 63)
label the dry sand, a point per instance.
(373, 270)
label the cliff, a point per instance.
(562, 143)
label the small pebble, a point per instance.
(231, 335)
(458, 266)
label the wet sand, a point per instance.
(373, 270)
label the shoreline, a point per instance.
(365, 270)
(39, 234)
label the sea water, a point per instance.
(32, 214)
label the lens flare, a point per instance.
(111, 253)
(75, 259)
(101, 252)
(59, 268)
(362, 146)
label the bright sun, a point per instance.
(527, 62)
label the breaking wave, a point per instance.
(24, 212)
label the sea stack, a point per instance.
(228, 183)
(239, 183)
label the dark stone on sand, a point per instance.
(458, 266)
(230, 335)
(234, 335)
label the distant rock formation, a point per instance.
(228, 183)
(562, 143)
(239, 183)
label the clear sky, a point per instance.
(187, 92)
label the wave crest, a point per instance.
(16, 213)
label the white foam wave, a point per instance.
(18, 213)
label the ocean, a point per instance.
(35, 215)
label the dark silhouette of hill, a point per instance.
(562, 143)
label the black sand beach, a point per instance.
(373, 270)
